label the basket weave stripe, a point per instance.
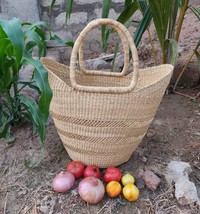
(98, 139)
(97, 123)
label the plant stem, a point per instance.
(163, 53)
(9, 101)
(152, 46)
(187, 63)
(180, 19)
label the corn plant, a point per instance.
(17, 42)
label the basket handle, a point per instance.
(126, 58)
(75, 50)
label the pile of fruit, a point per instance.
(91, 189)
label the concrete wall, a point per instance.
(25, 10)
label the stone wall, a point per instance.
(25, 10)
(83, 12)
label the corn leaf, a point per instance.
(37, 39)
(15, 34)
(36, 115)
(41, 78)
(58, 39)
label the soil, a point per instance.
(26, 181)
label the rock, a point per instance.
(186, 192)
(44, 209)
(143, 159)
(151, 133)
(191, 75)
(151, 180)
(176, 170)
(96, 64)
(140, 184)
(119, 62)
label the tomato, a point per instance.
(92, 171)
(76, 168)
(128, 178)
(113, 189)
(130, 192)
(112, 174)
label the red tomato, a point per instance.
(112, 174)
(92, 171)
(76, 168)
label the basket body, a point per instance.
(104, 128)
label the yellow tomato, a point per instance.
(130, 192)
(128, 178)
(113, 189)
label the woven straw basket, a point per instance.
(101, 117)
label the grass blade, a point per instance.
(196, 11)
(198, 58)
(69, 8)
(51, 6)
(128, 12)
(144, 23)
(105, 12)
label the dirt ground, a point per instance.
(25, 189)
(25, 186)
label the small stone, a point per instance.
(143, 159)
(44, 209)
(140, 184)
(186, 192)
(151, 133)
(22, 192)
(151, 180)
(176, 170)
(74, 192)
(96, 64)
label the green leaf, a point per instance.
(196, 11)
(58, 39)
(41, 78)
(105, 12)
(161, 12)
(5, 126)
(144, 23)
(15, 34)
(3, 44)
(36, 38)
(69, 8)
(52, 4)
(36, 115)
(174, 51)
(127, 3)
(198, 58)
(142, 5)
(128, 12)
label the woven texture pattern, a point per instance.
(104, 128)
